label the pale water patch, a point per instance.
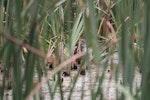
(84, 84)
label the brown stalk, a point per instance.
(82, 5)
(113, 33)
(21, 44)
(58, 68)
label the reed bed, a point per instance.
(34, 33)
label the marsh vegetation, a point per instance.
(74, 49)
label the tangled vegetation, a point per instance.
(60, 35)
